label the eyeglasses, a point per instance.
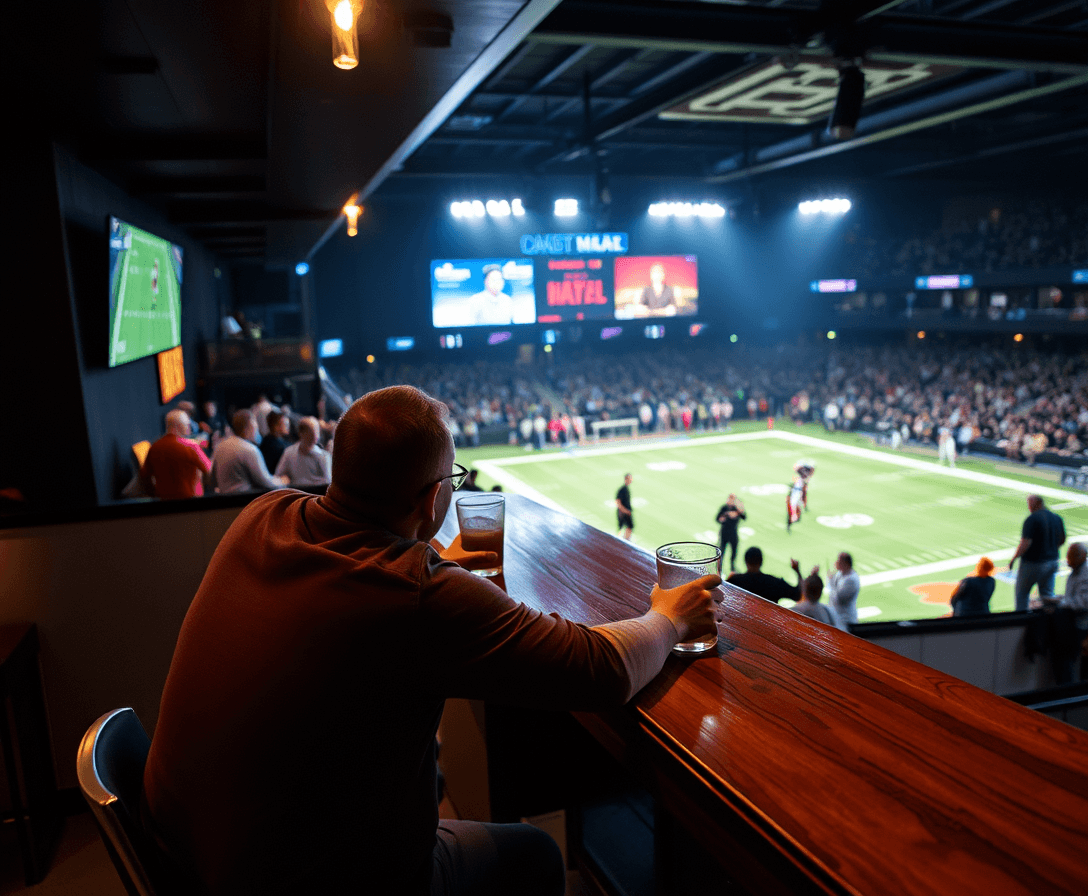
(457, 477)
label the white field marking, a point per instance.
(925, 569)
(493, 469)
(1026, 488)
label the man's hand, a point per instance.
(467, 559)
(795, 565)
(690, 607)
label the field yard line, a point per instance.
(925, 569)
(511, 483)
(678, 442)
(1028, 488)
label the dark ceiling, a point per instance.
(231, 118)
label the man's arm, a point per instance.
(1025, 543)
(676, 614)
(258, 472)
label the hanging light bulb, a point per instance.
(352, 211)
(345, 40)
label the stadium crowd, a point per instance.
(1023, 404)
(1033, 234)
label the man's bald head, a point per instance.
(1076, 555)
(390, 445)
(178, 422)
(1034, 502)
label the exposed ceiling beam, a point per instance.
(564, 65)
(695, 27)
(647, 106)
(897, 130)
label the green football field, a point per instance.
(145, 298)
(914, 528)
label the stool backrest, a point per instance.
(110, 767)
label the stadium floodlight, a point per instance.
(495, 208)
(835, 206)
(708, 210)
(566, 208)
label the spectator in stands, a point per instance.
(843, 588)
(261, 410)
(275, 442)
(175, 467)
(809, 605)
(1042, 535)
(971, 597)
(1076, 586)
(305, 463)
(237, 465)
(291, 667)
(764, 585)
(212, 422)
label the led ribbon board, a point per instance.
(944, 281)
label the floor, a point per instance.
(81, 866)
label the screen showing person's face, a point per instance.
(657, 275)
(494, 282)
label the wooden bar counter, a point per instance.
(809, 760)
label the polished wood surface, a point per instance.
(812, 760)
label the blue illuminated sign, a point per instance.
(833, 285)
(944, 281)
(573, 243)
(330, 348)
(1080, 276)
(400, 343)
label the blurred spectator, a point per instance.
(237, 465)
(275, 441)
(1042, 535)
(843, 589)
(175, 467)
(809, 605)
(971, 596)
(763, 585)
(305, 463)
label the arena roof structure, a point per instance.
(232, 119)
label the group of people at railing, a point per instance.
(263, 447)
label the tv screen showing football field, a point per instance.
(145, 293)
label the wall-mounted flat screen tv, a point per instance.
(145, 293)
(482, 292)
(656, 286)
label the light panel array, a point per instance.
(566, 208)
(494, 208)
(837, 206)
(687, 210)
